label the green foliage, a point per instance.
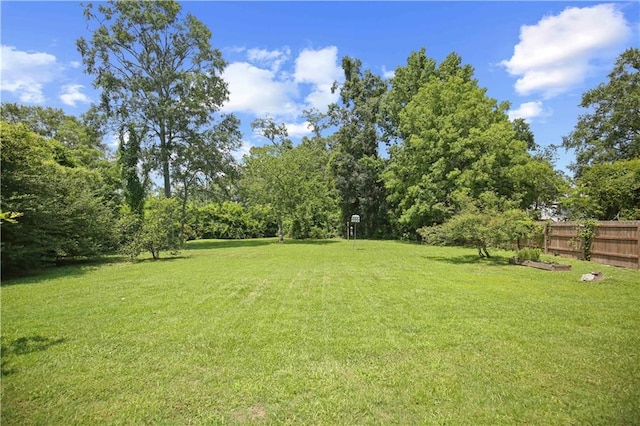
(64, 212)
(230, 220)
(405, 84)
(355, 160)
(607, 145)
(458, 144)
(529, 253)
(82, 137)
(506, 229)
(537, 184)
(158, 231)
(205, 160)
(467, 228)
(610, 131)
(607, 191)
(272, 177)
(524, 133)
(586, 231)
(129, 160)
(158, 71)
(9, 217)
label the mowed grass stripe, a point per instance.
(237, 332)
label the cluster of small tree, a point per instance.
(457, 170)
(295, 181)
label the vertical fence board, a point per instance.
(614, 243)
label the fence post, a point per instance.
(545, 243)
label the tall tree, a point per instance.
(611, 130)
(266, 178)
(317, 214)
(156, 70)
(537, 184)
(405, 84)
(459, 144)
(356, 161)
(135, 180)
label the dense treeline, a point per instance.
(60, 208)
(456, 169)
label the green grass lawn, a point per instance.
(237, 332)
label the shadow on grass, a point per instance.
(24, 346)
(75, 267)
(220, 244)
(311, 242)
(62, 268)
(470, 259)
(160, 259)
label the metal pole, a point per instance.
(355, 231)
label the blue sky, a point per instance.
(283, 56)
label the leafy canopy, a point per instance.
(458, 143)
(157, 71)
(610, 130)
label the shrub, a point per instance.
(157, 231)
(483, 229)
(229, 220)
(529, 253)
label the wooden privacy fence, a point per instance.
(613, 243)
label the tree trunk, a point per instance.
(183, 215)
(280, 231)
(164, 159)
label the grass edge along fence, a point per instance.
(615, 243)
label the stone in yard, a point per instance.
(593, 276)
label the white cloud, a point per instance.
(318, 66)
(272, 58)
(75, 64)
(320, 69)
(235, 49)
(321, 96)
(388, 74)
(529, 111)
(557, 53)
(258, 91)
(261, 88)
(298, 130)
(71, 94)
(24, 74)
